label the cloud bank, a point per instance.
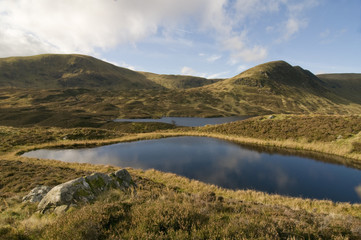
(88, 26)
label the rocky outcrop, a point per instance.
(36, 194)
(82, 190)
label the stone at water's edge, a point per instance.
(83, 190)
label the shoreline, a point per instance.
(192, 186)
(338, 153)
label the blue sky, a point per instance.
(209, 38)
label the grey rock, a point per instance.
(98, 182)
(122, 179)
(61, 209)
(83, 190)
(271, 117)
(36, 194)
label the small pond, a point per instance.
(187, 121)
(225, 164)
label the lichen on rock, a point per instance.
(83, 190)
(36, 194)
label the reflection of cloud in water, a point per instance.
(358, 190)
(224, 164)
(283, 179)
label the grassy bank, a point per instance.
(168, 206)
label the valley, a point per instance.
(71, 101)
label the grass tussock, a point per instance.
(19, 177)
(168, 206)
(160, 212)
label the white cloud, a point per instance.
(213, 58)
(292, 26)
(126, 65)
(188, 71)
(295, 22)
(242, 68)
(224, 74)
(255, 8)
(191, 72)
(79, 26)
(240, 51)
(325, 33)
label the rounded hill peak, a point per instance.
(275, 74)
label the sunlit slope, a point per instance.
(54, 71)
(347, 85)
(178, 81)
(77, 90)
(279, 87)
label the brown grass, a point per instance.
(168, 206)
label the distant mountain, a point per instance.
(346, 85)
(57, 71)
(77, 90)
(277, 76)
(279, 87)
(178, 81)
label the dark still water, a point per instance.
(188, 121)
(225, 164)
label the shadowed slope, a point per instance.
(347, 85)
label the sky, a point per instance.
(207, 38)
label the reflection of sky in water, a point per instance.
(224, 164)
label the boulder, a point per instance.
(122, 179)
(83, 190)
(36, 194)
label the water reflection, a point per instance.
(225, 164)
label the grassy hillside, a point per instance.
(298, 127)
(168, 206)
(178, 81)
(81, 91)
(346, 85)
(54, 71)
(280, 88)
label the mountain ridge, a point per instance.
(58, 89)
(66, 71)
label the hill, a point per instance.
(178, 81)
(77, 90)
(346, 85)
(279, 87)
(57, 71)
